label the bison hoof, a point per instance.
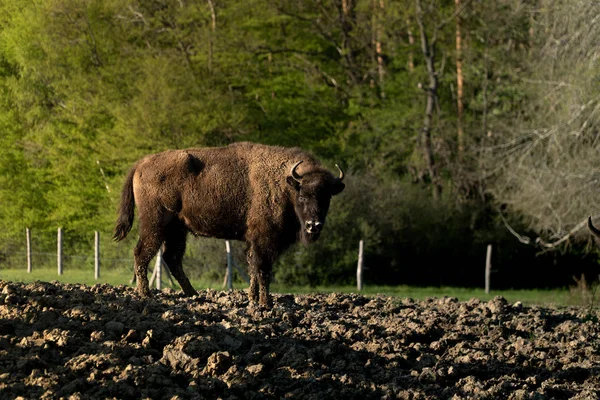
(262, 303)
(267, 303)
(190, 293)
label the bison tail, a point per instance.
(126, 209)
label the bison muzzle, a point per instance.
(267, 196)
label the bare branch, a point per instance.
(522, 239)
(563, 239)
(541, 242)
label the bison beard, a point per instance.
(267, 196)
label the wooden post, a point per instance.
(488, 268)
(28, 235)
(359, 268)
(59, 252)
(96, 255)
(228, 276)
(158, 268)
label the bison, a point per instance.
(267, 196)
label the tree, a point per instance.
(544, 167)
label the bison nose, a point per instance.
(313, 226)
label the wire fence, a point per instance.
(206, 258)
(18, 259)
(209, 259)
(71, 254)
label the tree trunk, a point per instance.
(485, 87)
(411, 42)
(345, 7)
(213, 26)
(378, 11)
(459, 86)
(426, 142)
(347, 21)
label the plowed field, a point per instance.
(104, 342)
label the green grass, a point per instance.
(113, 277)
(556, 297)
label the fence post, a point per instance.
(96, 255)
(158, 268)
(228, 276)
(359, 268)
(59, 252)
(28, 235)
(488, 268)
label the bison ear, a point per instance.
(293, 183)
(337, 187)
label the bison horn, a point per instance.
(595, 231)
(341, 178)
(295, 175)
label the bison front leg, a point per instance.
(260, 268)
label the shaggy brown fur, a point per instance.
(244, 191)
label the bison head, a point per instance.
(313, 192)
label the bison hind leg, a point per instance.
(152, 235)
(145, 249)
(174, 250)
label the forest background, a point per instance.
(460, 123)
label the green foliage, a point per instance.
(87, 88)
